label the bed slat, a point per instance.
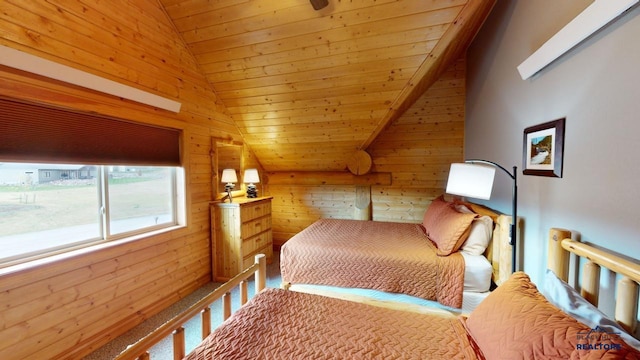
(626, 309)
(590, 282)
(178, 343)
(205, 316)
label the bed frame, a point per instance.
(561, 246)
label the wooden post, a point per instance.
(558, 258)
(626, 300)
(362, 208)
(144, 356)
(261, 274)
(205, 316)
(243, 292)
(226, 305)
(501, 253)
(178, 343)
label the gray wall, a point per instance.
(596, 86)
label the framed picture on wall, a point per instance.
(544, 149)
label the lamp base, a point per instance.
(228, 188)
(252, 192)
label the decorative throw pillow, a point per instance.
(446, 227)
(517, 322)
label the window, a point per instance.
(49, 208)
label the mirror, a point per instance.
(227, 155)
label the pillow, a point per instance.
(479, 236)
(446, 227)
(517, 322)
(567, 299)
(479, 233)
(478, 209)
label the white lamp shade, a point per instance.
(251, 176)
(471, 180)
(229, 176)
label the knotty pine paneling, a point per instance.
(295, 207)
(293, 77)
(417, 149)
(69, 305)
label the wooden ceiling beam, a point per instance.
(452, 45)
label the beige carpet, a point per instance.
(163, 350)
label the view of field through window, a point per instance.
(49, 206)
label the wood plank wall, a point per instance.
(417, 150)
(64, 309)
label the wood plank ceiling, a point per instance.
(308, 88)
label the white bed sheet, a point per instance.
(477, 281)
(477, 273)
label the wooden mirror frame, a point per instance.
(217, 186)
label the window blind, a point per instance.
(37, 133)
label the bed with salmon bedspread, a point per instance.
(282, 324)
(392, 257)
(515, 321)
(431, 260)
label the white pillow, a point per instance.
(480, 233)
(567, 299)
(479, 236)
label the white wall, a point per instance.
(596, 86)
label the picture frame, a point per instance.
(543, 150)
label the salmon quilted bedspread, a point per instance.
(280, 324)
(386, 256)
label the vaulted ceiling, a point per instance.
(308, 88)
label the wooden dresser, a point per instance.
(240, 230)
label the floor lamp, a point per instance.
(474, 179)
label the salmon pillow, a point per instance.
(517, 322)
(446, 227)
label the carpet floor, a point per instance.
(163, 350)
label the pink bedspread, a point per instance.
(279, 324)
(386, 256)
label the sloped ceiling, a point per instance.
(308, 88)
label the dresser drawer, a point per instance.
(256, 226)
(257, 242)
(249, 259)
(249, 212)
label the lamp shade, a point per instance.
(229, 176)
(471, 180)
(251, 176)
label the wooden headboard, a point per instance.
(561, 246)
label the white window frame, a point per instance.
(178, 196)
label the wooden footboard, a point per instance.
(561, 246)
(140, 350)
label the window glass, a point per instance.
(51, 207)
(139, 197)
